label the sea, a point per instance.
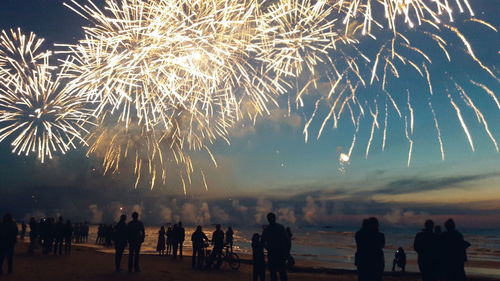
(334, 248)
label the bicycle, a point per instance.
(226, 257)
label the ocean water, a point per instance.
(335, 247)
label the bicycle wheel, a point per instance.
(234, 261)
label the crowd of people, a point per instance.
(104, 235)
(55, 236)
(52, 236)
(277, 240)
(441, 255)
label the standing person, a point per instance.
(8, 239)
(100, 232)
(289, 259)
(42, 233)
(439, 253)
(274, 239)
(425, 244)
(258, 259)
(76, 232)
(175, 240)
(120, 238)
(160, 246)
(454, 252)
(58, 236)
(230, 238)
(23, 230)
(49, 236)
(68, 237)
(136, 235)
(85, 230)
(169, 241)
(218, 244)
(33, 235)
(369, 254)
(181, 238)
(198, 238)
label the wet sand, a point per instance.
(88, 264)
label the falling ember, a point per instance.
(344, 157)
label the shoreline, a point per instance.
(88, 263)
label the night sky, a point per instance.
(269, 166)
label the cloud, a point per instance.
(399, 216)
(297, 205)
(220, 215)
(262, 208)
(191, 214)
(286, 215)
(412, 185)
(238, 207)
(243, 129)
(277, 119)
(310, 210)
(96, 214)
(166, 213)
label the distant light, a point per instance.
(344, 157)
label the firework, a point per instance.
(36, 112)
(218, 61)
(367, 60)
(179, 74)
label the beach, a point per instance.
(86, 263)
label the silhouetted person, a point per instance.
(33, 235)
(439, 253)
(181, 236)
(425, 245)
(77, 232)
(198, 239)
(108, 234)
(120, 236)
(160, 246)
(369, 254)
(218, 244)
(8, 239)
(136, 235)
(68, 237)
(437, 230)
(230, 238)
(258, 259)
(175, 240)
(85, 232)
(399, 260)
(169, 240)
(23, 230)
(274, 239)
(454, 252)
(289, 236)
(58, 236)
(48, 235)
(100, 235)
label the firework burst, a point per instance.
(36, 111)
(179, 74)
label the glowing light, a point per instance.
(36, 110)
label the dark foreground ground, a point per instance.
(88, 264)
